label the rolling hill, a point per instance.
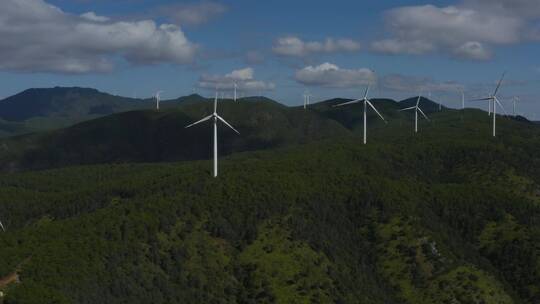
(123, 208)
(35, 110)
(151, 136)
(447, 216)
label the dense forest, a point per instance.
(301, 213)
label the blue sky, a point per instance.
(276, 48)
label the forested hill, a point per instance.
(447, 216)
(42, 109)
(160, 136)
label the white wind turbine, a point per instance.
(493, 102)
(215, 118)
(416, 109)
(307, 98)
(366, 103)
(515, 100)
(158, 99)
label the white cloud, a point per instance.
(193, 14)
(330, 75)
(295, 47)
(244, 78)
(466, 30)
(473, 50)
(93, 17)
(38, 37)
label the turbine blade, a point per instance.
(500, 104)
(198, 122)
(418, 101)
(2, 226)
(407, 109)
(424, 114)
(482, 99)
(367, 91)
(499, 84)
(347, 103)
(374, 109)
(215, 103)
(228, 125)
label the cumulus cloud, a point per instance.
(330, 75)
(39, 37)
(473, 50)
(244, 79)
(295, 47)
(468, 29)
(193, 14)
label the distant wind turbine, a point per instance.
(307, 97)
(158, 99)
(416, 110)
(515, 100)
(493, 102)
(367, 103)
(215, 118)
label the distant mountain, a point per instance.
(64, 103)
(45, 109)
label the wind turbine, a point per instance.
(158, 99)
(493, 102)
(307, 100)
(416, 110)
(514, 101)
(215, 117)
(367, 103)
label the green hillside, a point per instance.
(302, 212)
(36, 110)
(151, 136)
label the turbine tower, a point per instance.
(416, 111)
(215, 117)
(367, 103)
(515, 100)
(307, 97)
(158, 99)
(493, 102)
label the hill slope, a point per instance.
(44, 109)
(151, 136)
(447, 216)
